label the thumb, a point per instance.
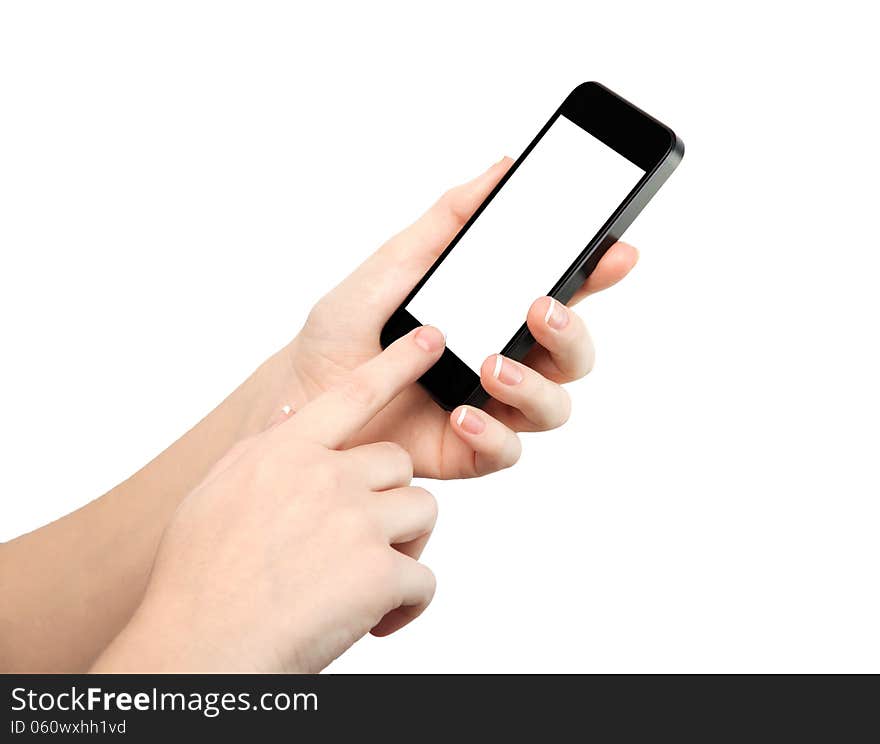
(384, 280)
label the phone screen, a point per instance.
(524, 240)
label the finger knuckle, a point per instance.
(589, 361)
(356, 391)
(456, 202)
(557, 407)
(512, 453)
(399, 457)
(564, 409)
(429, 502)
(394, 450)
(321, 315)
(430, 583)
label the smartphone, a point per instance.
(565, 201)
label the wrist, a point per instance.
(274, 384)
(167, 636)
(150, 646)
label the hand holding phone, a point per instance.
(343, 329)
(569, 197)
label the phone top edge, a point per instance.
(619, 124)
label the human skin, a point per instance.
(294, 547)
(71, 586)
(343, 330)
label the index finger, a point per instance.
(334, 417)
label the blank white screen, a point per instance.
(524, 240)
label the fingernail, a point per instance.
(470, 422)
(556, 316)
(506, 372)
(429, 338)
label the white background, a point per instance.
(180, 181)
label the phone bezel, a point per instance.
(630, 132)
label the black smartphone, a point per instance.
(565, 201)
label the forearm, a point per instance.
(68, 588)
